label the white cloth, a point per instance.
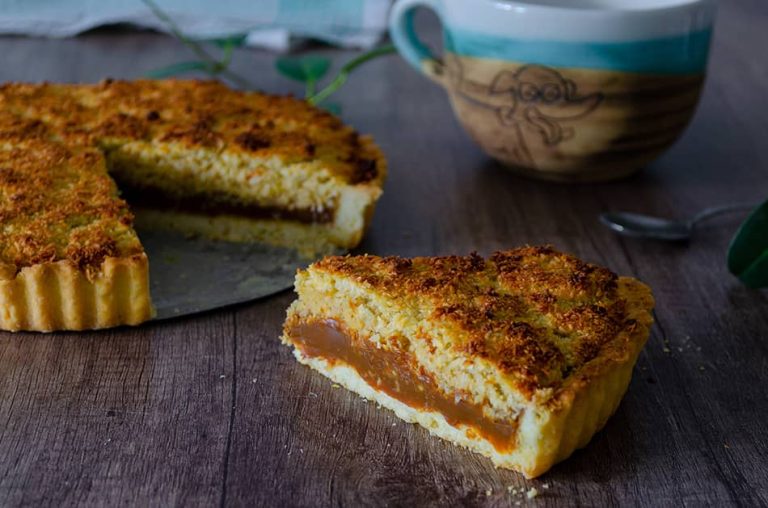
(266, 23)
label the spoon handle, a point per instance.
(714, 211)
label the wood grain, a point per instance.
(211, 410)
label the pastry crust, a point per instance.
(543, 342)
(60, 296)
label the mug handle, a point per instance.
(403, 35)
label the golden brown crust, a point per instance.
(538, 315)
(195, 114)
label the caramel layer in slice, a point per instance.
(398, 375)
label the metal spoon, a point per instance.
(657, 228)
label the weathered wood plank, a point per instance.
(123, 416)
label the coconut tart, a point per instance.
(521, 357)
(78, 163)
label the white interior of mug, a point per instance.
(619, 5)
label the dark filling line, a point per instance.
(392, 373)
(217, 204)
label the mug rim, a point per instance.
(522, 20)
(531, 5)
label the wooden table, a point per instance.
(213, 410)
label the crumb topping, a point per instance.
(195, 114)
(59, 203)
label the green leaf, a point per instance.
(179, 68)
(305, 69)
(234, 41)
(748, 252)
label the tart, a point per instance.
(521, 357)
(193, 156)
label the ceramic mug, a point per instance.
(574, 90)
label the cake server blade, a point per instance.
(191, 275)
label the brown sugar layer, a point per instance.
(399, 376)
(213, 205)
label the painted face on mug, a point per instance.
(535, 104)
(541, 98)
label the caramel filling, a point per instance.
(213, 204)
(394, 373)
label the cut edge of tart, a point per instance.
(471, 350)
(69, 257)
(234, 195)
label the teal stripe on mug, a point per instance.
(685, 54)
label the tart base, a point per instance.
(59, 296)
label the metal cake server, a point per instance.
(191, 275)
(657, 228)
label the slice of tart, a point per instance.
(521, 357)
(194, 156)
(69, 258)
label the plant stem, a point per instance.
(215, 67)
(310, 88)
(341, 78)
(196, 48)
(223, 68)
(226, 59)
